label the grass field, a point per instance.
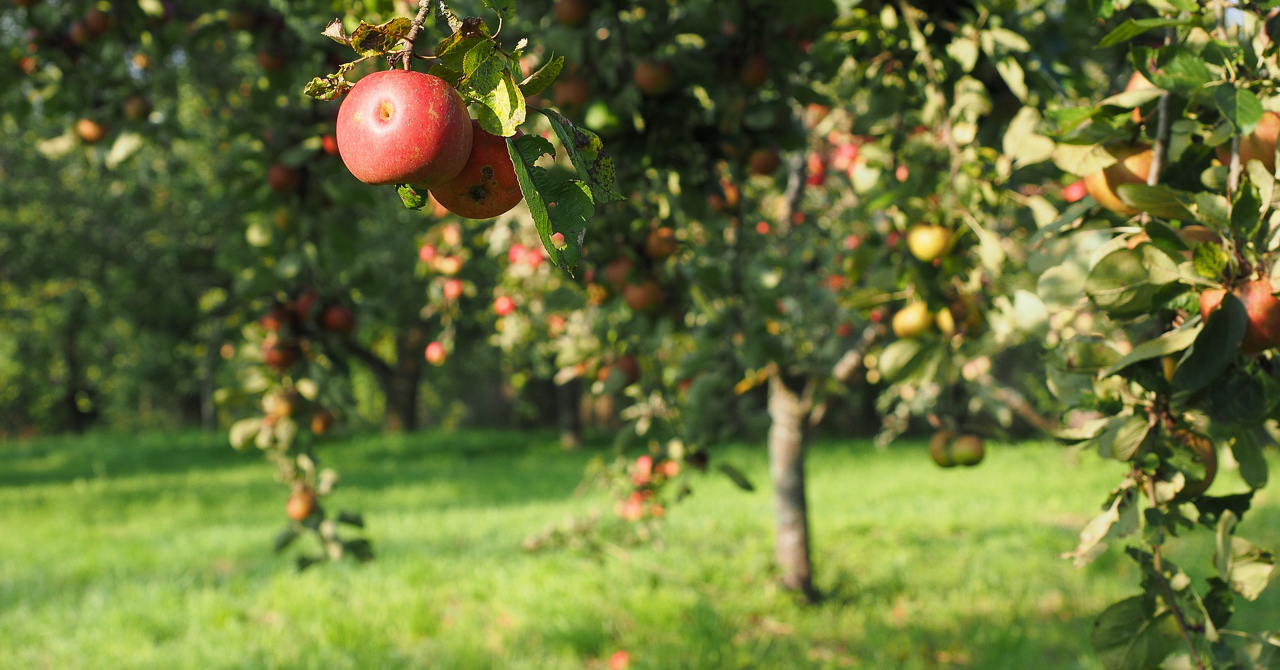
(153, 552)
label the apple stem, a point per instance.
(424, 6)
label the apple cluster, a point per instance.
(647, 477)
(289, 323)
(949, 450)
(403, 127)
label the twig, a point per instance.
(424, 7)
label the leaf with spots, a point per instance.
(558, 204)
(330, 87)
(410, 197)
(589, 157)
(371, 40)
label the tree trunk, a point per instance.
(787, 414)
(568, 412)
(401, 392)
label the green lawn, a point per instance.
(152, 552)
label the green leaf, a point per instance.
(283, 539)
(1214, 209)
(1126, 282)
(1246, 212)
(452, 51)
(371, 40)
(1238, 106)
(1215, 347)
(1084, 353)
(504, 8)
(1082, 159)
(1242, 395)
(477, 56)
(1122, 439)
(1011, 71)
(411, 198)
(1250, 568)
(351, 519)
(485, 77)
(1160, 201)
(1129, 635)
(1022, 143)
(1218, 602)
(1210, 260)
(1135, 27)
(1169, 343)
(1184, 72)
(898, 358)
(540, 80)
(736, 476)
(588, 155)
(503, 109)
(557, 205)
(1247, 450)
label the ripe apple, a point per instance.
(302, 504)
(435, 353)
(617, 271)
(928, 242)
(1074, 191)
(276, 319)
(338, 319)
(755, 71)
(304, 303)
(660, 243)
(28, 64)
(946, 322)
(403, 127)
(940, 448)
(504, 305)
(1263, 309)
(452, 289)
(629, 367)
(449, 265)
(427, 253)
(654, 78)
(77, 34)
(571, 92)
(764, 161)
(282, 178)
(90, 131)
(321, 421)
(451, 235)
(645, 296)
(620, 660)
(137, 108)
(967, 450)
(643, 470)
(814, 113)
(1132, 167)
(242, 18)
(278, 355)
(487, 185)
(573, 13)
(1137, 82)
(97, 22)
(272, 59)
(329, 144)
(1258, 145)
(913, 320)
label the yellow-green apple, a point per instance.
(1133, 164)
(940, 448)
(913, 320)
(928, 242)
(403, 127)
(967, 450)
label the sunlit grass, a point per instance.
(153, 552)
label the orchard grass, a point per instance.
(153, 552)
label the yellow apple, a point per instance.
(913, 320)
(1133, 164)
(928, 241)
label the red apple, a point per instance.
(282, 178)
(276, 319)
(403, 127)
(426, 253)
(629, 367)
(645, 296)
(1258, 145)
(321, 421)
(654, 78)
(452, 289)
(304, 303)
(1074, 191)
(504, 305)
(330, 144)
(278, 355)
(272, 59)
(755, 71)
(90, 131)
(338, 319)
(573, 13)
(661, 243)
(616, 272)
(764, 161)
(487, 185)
(435, 353)
(97, 22)
(137, 108)
(571, 92)
(1132, 167)
(1262, 307)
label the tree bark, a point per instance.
(401, 392)
(399, 380)
(788, 413)
(569, 412)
